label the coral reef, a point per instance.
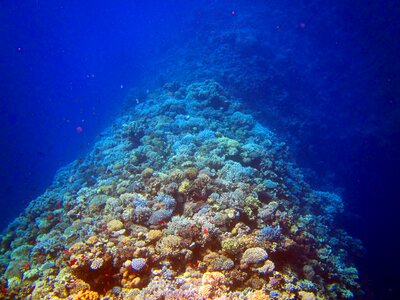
(186, 196)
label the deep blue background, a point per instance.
(63, 64)
(67, 63)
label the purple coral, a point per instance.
(167, 201)
(160, 216)
(270, 233)
(163, 208)
(138, 264)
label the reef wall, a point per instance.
(185, 196)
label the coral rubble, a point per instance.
(186, 196)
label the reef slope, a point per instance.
(186, 196)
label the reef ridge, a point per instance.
(185, 196)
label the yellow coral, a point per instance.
(259, 295)
(306, 295)
(251, 203)
(206, 291)
(106, 189)
(115, 225)
(176, 174)
(86, 295)
(79, 246)
(191, 172)
(213, 278)
(231, 246)
(229, 145)
(147, 173)
(153, 235)
(92, 240)
(213, 285)
(227, 142)
(169, 246)
(118, 165)
(184, 185)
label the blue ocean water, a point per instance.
(64, 66)
(322, 76)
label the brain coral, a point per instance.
(138, 264)
(115, 225)
(169, 245)
(254, 256)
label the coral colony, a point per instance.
(186, 196)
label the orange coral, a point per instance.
(86, 295)
(259, 295)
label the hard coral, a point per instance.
(86, 295)
(169, 246)
(214, 284)
(115, 225)
(97, 263)
(254, 256)
(183, 197)
(191, 173)
(138, 264)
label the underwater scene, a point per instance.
(220, 149)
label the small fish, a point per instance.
(73, 262)
(79, 129)
(161, 223)
(193, 264)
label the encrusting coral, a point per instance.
(186, 196)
